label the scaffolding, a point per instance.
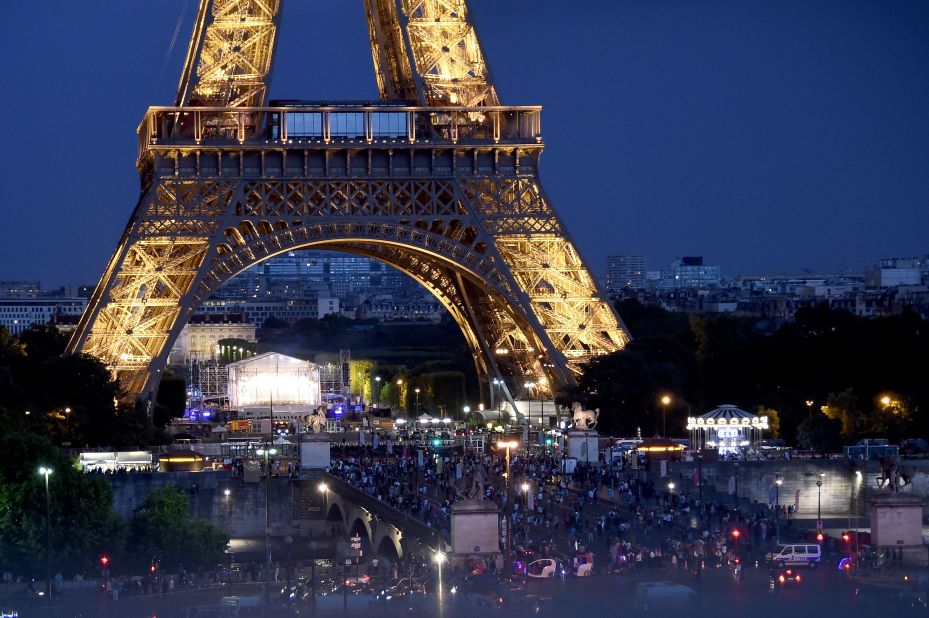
(207, 384)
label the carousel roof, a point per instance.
(727, 411)
(727, 414)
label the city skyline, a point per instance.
(699, 146)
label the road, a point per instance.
(822, 593)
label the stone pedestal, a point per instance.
(314, 451)
(475, 530)
(583, 445)
(897, 525)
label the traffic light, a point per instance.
(153, 568)
(845, 537)
(819, 537)
(104, 561)
(736, 534)
(436, 443)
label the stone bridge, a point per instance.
(387, 531)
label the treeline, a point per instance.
(47, 400)
(861, 377)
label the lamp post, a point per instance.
(508, 445)
(416, 390)
(496, 382)
(777, 507)
(819, 501)
(377, 391)
(46, 472)
(267, 452)
(529, 386)
(735, 466)
(809, 407)
(324, 490)
(439, 559)
(665, 400)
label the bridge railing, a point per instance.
(408, 525)
(335, 124)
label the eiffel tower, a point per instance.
(436, 179)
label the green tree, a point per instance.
(820, 433)
(844, 407)
(83, 524)
(162, 529)
(774, 421)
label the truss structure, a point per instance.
(445, 188)
(211, 379)
(428, 51)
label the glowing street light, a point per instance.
(777, 506)
(508, 444)
(529, 386)
(377, 391)
(416, 390)
(324, 490)
(267, 452)
(46, 472)
(665, 401)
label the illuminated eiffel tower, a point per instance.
(437, 179)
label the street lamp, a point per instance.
(267, 452)
(46, 472)
(777, 506)
(529, 386)
(439, 558)
(377, 391)
(671, 487)
(819, 498)
(809, 407)
(493, 390)
(509, 444)
(324, 490)
(416, 390)
(665, 400)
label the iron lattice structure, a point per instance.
(438, 180)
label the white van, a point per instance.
(808, 554)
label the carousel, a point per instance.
(726, 429)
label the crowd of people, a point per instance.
(616, 516)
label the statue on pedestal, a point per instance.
(584, 419)
(317, 421)
(471, 487)
(892, 475)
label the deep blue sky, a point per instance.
(768, 136)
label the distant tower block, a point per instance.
(439, 180)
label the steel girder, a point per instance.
(520, 292)
(484, 241)
(230, 55)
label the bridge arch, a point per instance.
(335, 513)
(387, 544)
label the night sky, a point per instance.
(768, 137)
